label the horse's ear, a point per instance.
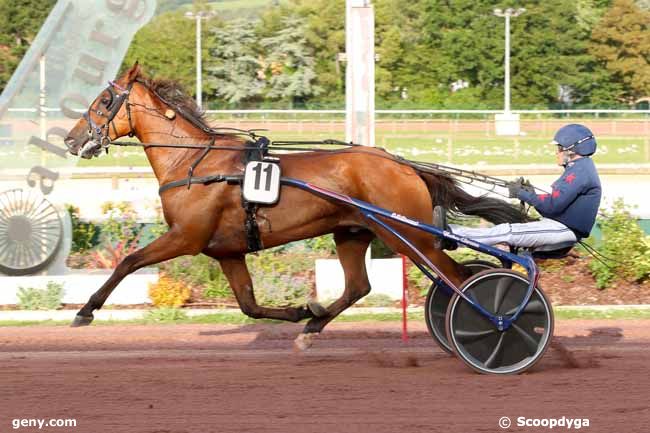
(133, 73)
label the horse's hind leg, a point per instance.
(351, 248)
(236, 271)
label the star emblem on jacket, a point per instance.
(570, 178)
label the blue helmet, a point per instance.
(576, 138)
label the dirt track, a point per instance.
(356, 378)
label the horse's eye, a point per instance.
(105, 101)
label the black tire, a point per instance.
(435, 307)
(478, 342)
(31, 231)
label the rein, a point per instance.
(468, 177)
(242, 148)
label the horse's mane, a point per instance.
(173, 93)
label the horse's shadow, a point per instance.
(575, 352)
(603, 334)
(263, 331)
(265, 334)
(569, 349)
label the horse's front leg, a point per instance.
(170, 245)
(236, 271)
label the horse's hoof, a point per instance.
(81, 321)
(304, 341)
(317, 309)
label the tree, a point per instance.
(166, 48)
(621, 41)
(20, 21)
(551, 63)
(234, 68)
(550, 58)
(325, 34)
(290, 63)
(405, 60)
(466, 42)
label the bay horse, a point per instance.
(209, 218)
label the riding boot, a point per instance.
(440, 221)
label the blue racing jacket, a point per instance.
(574, 199)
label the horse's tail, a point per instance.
(446, 192)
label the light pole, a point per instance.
(507, 14)
(198, 16)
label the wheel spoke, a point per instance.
(531, 343)
(38, 224)
(479, 343)
(4, 248)
(469, 336)
(500, 292)
(489, 363)
(437, 314)
(535, 306)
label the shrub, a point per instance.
(322, 244)
(379, 250)
(416, 279)
(85, 235)
(282, 279)
(281, 276)
(199, 271)
(168, 292)
(48, 298)
(159, 226)
(282, 290)
(625, 243)
(120, 225)
(119, 237)
(110, 256)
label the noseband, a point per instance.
(100, 133)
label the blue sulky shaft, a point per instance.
(372, 212)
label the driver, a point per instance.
(568, 212)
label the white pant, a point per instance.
(543, 235)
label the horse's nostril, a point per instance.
(70, 143)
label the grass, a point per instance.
(567, 313)
(237, 318)
(462, 141)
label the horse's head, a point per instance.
(107, 118)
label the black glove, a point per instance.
(514, 188)
(517, 185)
(527, 186)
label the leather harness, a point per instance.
(255, 151)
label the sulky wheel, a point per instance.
(30, 232)
(435, 307)
(478, 342)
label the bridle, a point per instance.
(99, 134)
